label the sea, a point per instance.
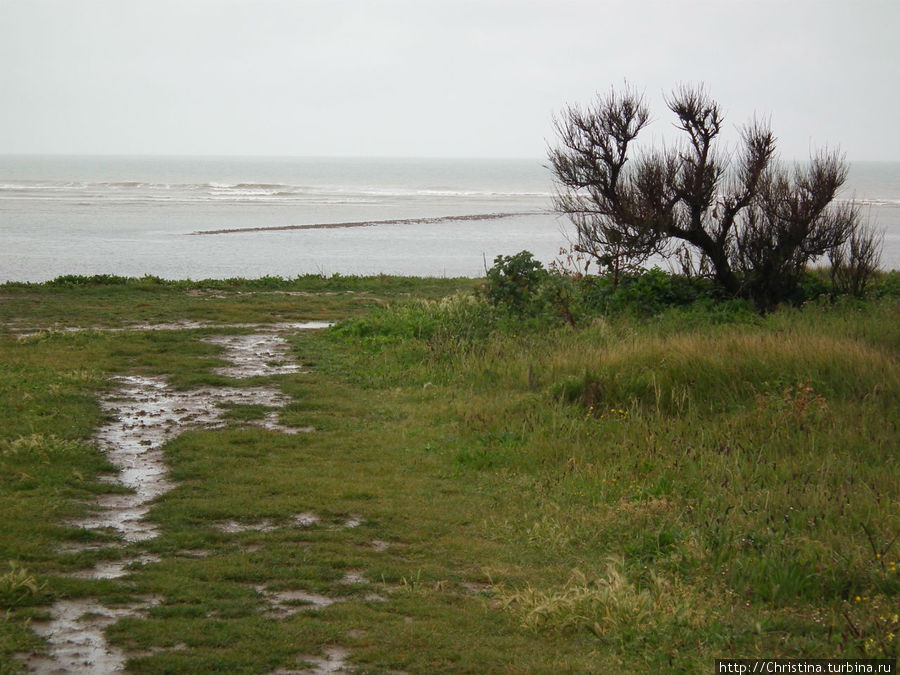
(224, 217)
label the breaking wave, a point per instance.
(134, 191)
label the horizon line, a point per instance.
(247, 156)
(267, 156)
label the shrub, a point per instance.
(514, 280)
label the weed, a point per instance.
(607, 604)
(872, 627)
(19, 587)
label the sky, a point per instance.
(433, 78)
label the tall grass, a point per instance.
(752, 461)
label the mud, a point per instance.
(353, 577)
(75, 634)
(254, 354)
(301, 520)
(287, 603)
(307, 519)
(145, 413)
(114, 569)
(334, 661)
(29, 332)
(234, 527)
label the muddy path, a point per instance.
(145, 413)
(24, 333)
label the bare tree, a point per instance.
(753, 222)
(855, 262)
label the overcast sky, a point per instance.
(433, 78)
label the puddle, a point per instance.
(113, 569)
(146, 414)
(307, 519)
(287, 603)
(334, 661)
(234, 527)
(174, 325)
(254, 355)
(75, 634)
(353, 577)
(194, 553)
(302, 520)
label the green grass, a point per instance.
(643, 494)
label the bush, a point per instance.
(513, 282)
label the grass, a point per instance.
(642, 494)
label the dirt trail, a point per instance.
(145, 414)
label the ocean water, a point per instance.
(133, 216)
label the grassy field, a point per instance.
(644, 493)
